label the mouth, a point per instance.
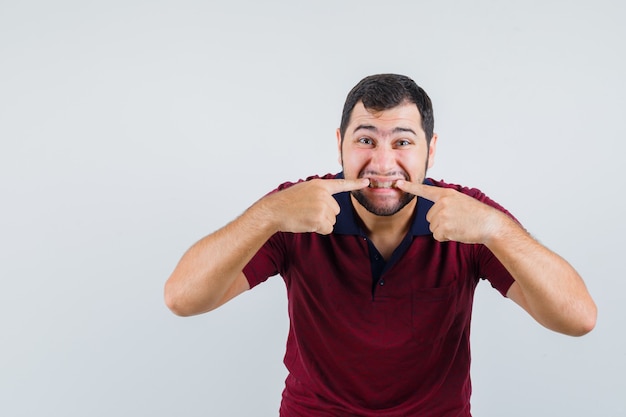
(382, 184)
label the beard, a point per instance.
(380, 210)
(388, 210)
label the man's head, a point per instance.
(386, 134)
(385, 91)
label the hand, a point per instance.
(309, 206)
(456, 216)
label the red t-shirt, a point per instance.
(375, 338)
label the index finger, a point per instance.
(429, 192)
(335, 186)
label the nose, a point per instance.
(383, 159)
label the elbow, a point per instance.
(176, 308)
(587, 323)
(178, 303)
(581, 330)
(576, 322)
(584, 323)
(173, 302)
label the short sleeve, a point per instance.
(270, 259)
(489, 267)
(267, 262)
(492, 270)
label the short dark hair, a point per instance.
(385, 91)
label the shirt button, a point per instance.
(381, 282)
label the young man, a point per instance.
(380, 265)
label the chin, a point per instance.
(379, 209)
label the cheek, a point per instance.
(414, 166)
(411, 163)
(354, 159)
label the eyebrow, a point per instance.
(375, 129)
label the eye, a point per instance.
(403, 142)
(366, 141)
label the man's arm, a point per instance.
(546, 285)
(210, 273)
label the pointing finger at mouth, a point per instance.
(428, 192)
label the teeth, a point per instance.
(381, 184)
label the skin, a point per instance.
(383, 148)
(210, 273)
(546, 285)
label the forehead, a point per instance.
(405, 115)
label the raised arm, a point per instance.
(546, 285)
(210, 273)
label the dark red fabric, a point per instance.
(396, 349)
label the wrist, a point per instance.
(264, 216)
(501, 228)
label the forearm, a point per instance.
(206, 276)
(209, 268)
(551, 289)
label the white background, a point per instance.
(130, 129)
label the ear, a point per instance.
(339, 154)
(432, 149)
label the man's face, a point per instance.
(384, 147)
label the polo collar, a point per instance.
(347, 222)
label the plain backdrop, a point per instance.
(130, 129)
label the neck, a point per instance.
(396, 225)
